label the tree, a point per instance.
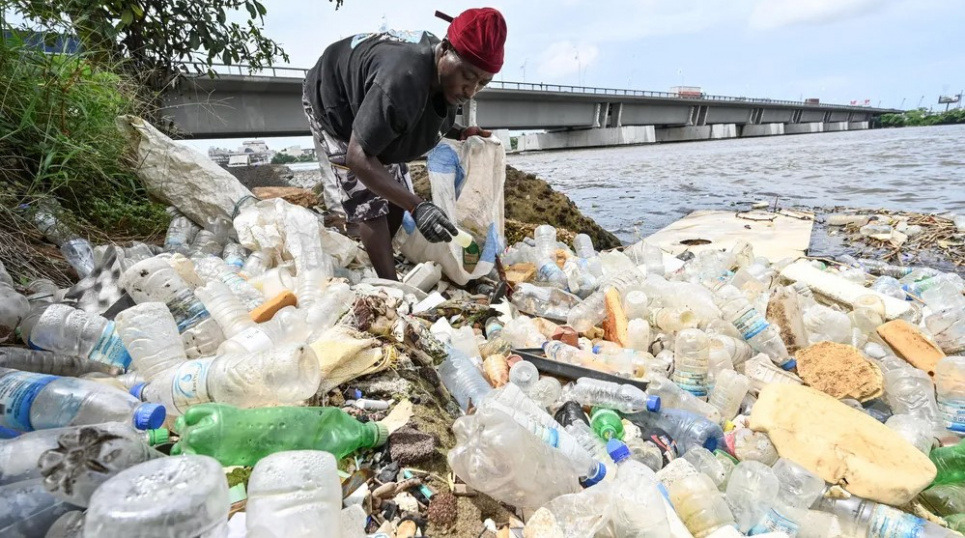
(160, 37)
(283, 158)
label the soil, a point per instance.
(266, 175)
(531, 201)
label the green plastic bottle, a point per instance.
(607, 423)
(243, 436)
(950, 461)
(944, 500)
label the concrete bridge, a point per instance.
(238, 103)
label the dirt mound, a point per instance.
(532, 201)
(266, 175)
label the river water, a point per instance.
(640, 189)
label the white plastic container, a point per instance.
(294, 494)
(424, 276)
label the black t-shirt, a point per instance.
(378, 86)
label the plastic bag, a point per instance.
(467, 181)
(180, 176)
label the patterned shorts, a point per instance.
(359, 203)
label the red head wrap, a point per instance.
(478, 36)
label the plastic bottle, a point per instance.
(672, 319)
(950, 461)
(522, 333)
(524, 375)
(889, 286)
(336, 300)
(914, 430)
(707, 463)
(69, 525)
(545, 236)
(646, 452)
(19, 456)
(638, 331)
(589, 440)
(53, 229)
(945, 294)
(287, 326)
(293, 494)
(284, 375)
(950, 384)
(215, 270)
(561, 352)
(701, 507)
(48, 362)
(236, 436)
(154, 280)
(546, 392)
(38, 401)
(691, 362)
(497, 456)
(181, 496)
(606, 423)
(862, 517)
(911, 391)
(748, 445)
(150, 335)
(761, 335)
(729, 391)
(638, 508)
(463, 380)
(592, 310)
(28, 509)
(621, 397)
(948, 327)
(876, 230)
(751, 490)
(225, 308)
(798, 490)
(686, 428)
(258, 263)
(71, 331)
(234, 256)
(86, 457)
(673, 397)
(181, 232)
(80, 255)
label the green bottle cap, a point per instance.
(381, 432)
(158, 436)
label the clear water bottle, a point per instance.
(948, 327)
(707, 463)
(752, 488)
(639, 336)
(225, 308)
(648, 255)
(48, 362)
(463, 380)
(761, 335)
(284, 375)
(638, 506)
(212, 269)
(80, 255)
(257, 263)
(550, 273)
(181, 232)
(728, 349)
(546, 392)
(205, 244)
(589, 440)
(911, 391)
(234, 256)
(592, 310)
(672, 319)
(691, 362)
(729, 391)
(700, 505)
(889, 286)
(19, 456)
(673, 397)
(686, 428)
(69, 525)
(524, 375)
(545, 236)
(150, 335)
(86, 457)
(71, 331)
(798, 490)
(337, 299)
(38, 402)
(945, 294)
(749, 445)
(154, 279)
(622, 397)
(28, 509)
(497, 456)
(862, 517)
(294, 493)
(175, 496)
(561, 352)
(288, 326)
(913, 429)
(950, 382)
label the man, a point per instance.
(376, 101)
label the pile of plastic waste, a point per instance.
(621, 393)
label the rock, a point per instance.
(442, 510)
(292, 195)
(567, 335)
(542, 525)
(841, 445)
(408, 445)
(910, 344)
(840, 371)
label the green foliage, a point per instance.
(922, 117)
(59, 140)
(283, 158)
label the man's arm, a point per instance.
(372, 173)
(458, 132)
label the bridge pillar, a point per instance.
(764, 129)
(587, 138)
(804, 128)
(723, 130)
(683, 134)
(835, 126)
(617, 115)
(857, 126)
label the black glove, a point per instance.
(433, 223)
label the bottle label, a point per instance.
(888, 522)
(110, 350)
(694, 383)
(253, 339)
(235, 261)
(549, 272)
(750, 324)
(190, 385)
(187, 310)
(774, 521)
(953, 414)
(17, 393)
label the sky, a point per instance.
(893, 52)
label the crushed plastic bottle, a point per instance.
(71, 331)
(150, 334)
(621, 397)
(751, 490)
(686, 428)
(463, 380)
(215, 270)
(798, 489)
(79, 254)
(48, 362)
(181, 232)
(674, 397)
(861, 517)
(293, 494)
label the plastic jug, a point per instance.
(243, 436)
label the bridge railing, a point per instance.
(299, 72)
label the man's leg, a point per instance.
(377, 241)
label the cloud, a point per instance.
(564, 58)
(773, 14)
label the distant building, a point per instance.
(298, 152)
(253, 152)
(238, 160)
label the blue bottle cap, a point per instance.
(653, 404)
(618, 450)
(597, 477)
(137, 389)
(149, 416)
(596, 349)
(711, 444)
(789, 365)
